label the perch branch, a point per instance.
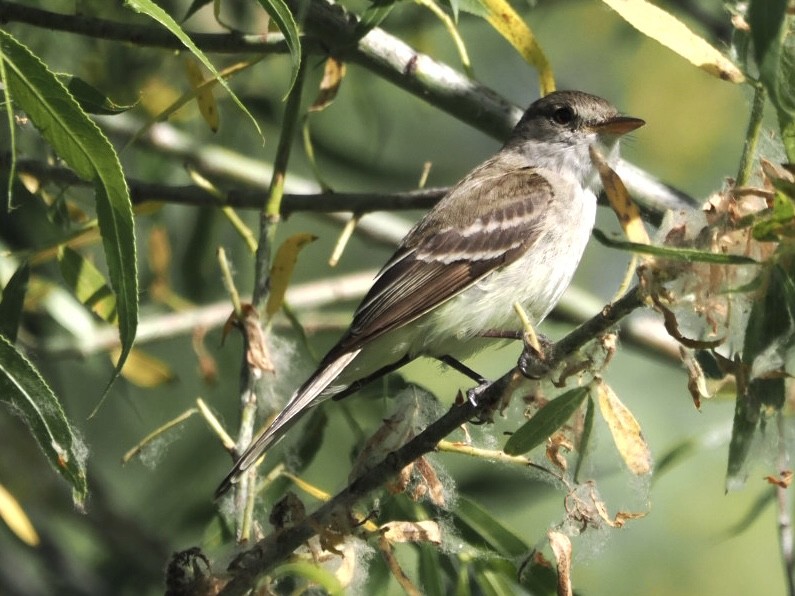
(266, 553)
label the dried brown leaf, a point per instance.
(783, 480)
(561, 548)
(625, 429)
(412, 531)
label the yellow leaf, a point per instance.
(627, 212)
(333, 73)
(511, 26)
(15, 518)
(204, 94)
(144, 370)
(625, 430)
(87, 283)
(665, 28)
(282, 269)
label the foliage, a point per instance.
(110, 155)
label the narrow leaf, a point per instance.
(205, 99)
(585, 438)
(625, 429)
(87, 284)
(23, 389)
(662, 26)
(773, 33)
(688, 255)
(12, 301)
(510, 25)
(92, 100)
(152, 10)
(282, 270)
(16, 519)
(500, 538)
(85, 149)
(545, 422)
(144, 370)
(12, 135)
(281, 15)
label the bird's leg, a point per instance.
(358, 384)
(481, 381)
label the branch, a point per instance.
(333, 30)
(267, 553)
(140, 35)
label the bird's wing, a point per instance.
(429, 270)
(424, 273)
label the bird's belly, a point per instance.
(537, 280)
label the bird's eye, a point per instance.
(563, 116)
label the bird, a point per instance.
(512, 230)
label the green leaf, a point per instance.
(545, 422)
(778, 222)
(539, 577)
(80, 143)
(23, 389)
(772, 319)
(281, 15)
(494, 577)
(194, 7)
(312, 573)
(91, 99)
(429, 570)
(153, 11)
(688, 255)
(492, 531)
(11, 302)
(12, 135)
(585, 438)
(773, 33)
(372, 16)
(87, 283)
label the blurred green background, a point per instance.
(376, 137)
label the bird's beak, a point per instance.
(618, 125)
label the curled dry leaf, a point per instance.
(257, 352)
(696, 382)
(287, 512)
(431, 485)
(412, 531)
(556, 443)
(625, 429)
(333, 73)
(561, 548)
(208, 369)
(783, 480)
(707, 304)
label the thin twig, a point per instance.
(752, 135)
(270, 215)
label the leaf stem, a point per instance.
(752, 135)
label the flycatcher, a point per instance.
(512, 230)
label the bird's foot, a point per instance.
(534, 362)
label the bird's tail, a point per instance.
(302, 399)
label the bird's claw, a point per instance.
(533, 362)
